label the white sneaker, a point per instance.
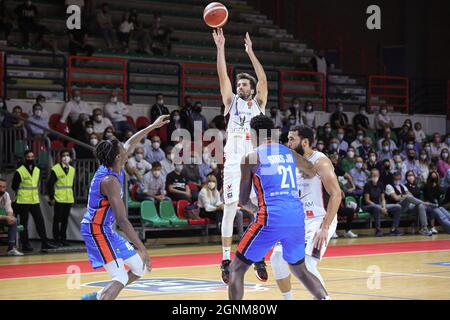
(350, 234)
(335, 236)
(15, 252)
(434, 231)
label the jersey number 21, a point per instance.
(287, 174)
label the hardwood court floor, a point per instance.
(412, 267)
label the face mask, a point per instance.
(179, 168)
(320, 147)
(205, 158)
(296, 105)
(384, 112)
(375, 180)
(66, 160)
(334, 146)
(2, 193)
(423, 157)
(160, 102)
(373, 159)
(176, 118)
(94, 142)
(156, 174)
(156, 145)
(113, 100)
(410, 146)
(445, 156)
(211, 185)
(360, 138)
(89, 130)
(351, 154)
(139, 157)
(309, 108)
(109, 135)
(292, 121)
(77, 99)
(340, 136)
(170, 157)
(327, 130)
(411, 179)
(29, 162)
(359, 165)
(397, 182)
(99, 118)
(398, 165)
(38, 113)
(428, 149)
(386, 149)
(340, 109)
(214, 165)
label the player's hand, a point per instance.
(146, 259)
(219, 38)
(161, 121)
(248, 43)
(320, 238)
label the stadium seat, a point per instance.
(132, 203)
(192, 186)
(142, 122)
(130, 120)
(54, 120)
(57, 144)
(149, 216)
(181, 206)
(167, 212)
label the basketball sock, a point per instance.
(288, 295)
(226, 253)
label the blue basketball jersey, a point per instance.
(98, 210)
(276, 188)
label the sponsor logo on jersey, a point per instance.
(177, 285)
(309, 214)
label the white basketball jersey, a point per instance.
(238, 129)
(312, 193)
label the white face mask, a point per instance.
(373, 159)
(77, 99)
(156, 145)
(360, 138)
(327, 130)
(375, 180)
(214, 165)
(38, 113)
(156, 174)
(179, 168)
(99, 118)
(66, 159)
(113, 99)
(359, 165)
(139, 157)
(176, 118)
(384, 112)
(445, 155)
(423, 157)
(108, 135)
(94, 142)
(211, 185)
(351, 154)
(340, 136)
(89, 130)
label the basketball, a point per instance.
(215, 15)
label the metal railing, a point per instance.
(84, 171)
(393, 90)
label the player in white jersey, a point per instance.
(321, 197)
(249, 101)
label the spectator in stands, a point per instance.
(383, 119)
(424, 167)
(443, 164)
(372, 161)
(152, 186)
(167, 164)
(348, 163)
(61, 195)
(117, 111)
(410, 144)
(375, 204)
(339, 119)
(419, 133)
(309, 116)
(79, 43)
(320, 64)
(334, 148)
(359, 139)
(348, 211)
(91, 139)
(140, 33)
(398, 167)
(154, 153)
(343, 145)
(191, 171)
(209, 201)
(27, 15)
(326, 135)
(186, 109)
(294, 108)
(412, 184)
(177, 185)
(100, 122)
(8, 220)
(38, 118)
(78, 128)
(432, 194)
(161, 42)
(205, 167)
(366, 148)
(320, 146)
(436, 146)
(344, 178)
(125, 31)
(174, 124)
(385, 151)
(11, 122)
(403, 134)
(197, 117)
(5, 21)
(361, 121)
(137, 166)
(158, 109)
(74, 108)
(386, 172)
(276, 117)
(26, 185)
(411, 163)
(104, 22)
(359, 175)
(109, 134)
(387, 137)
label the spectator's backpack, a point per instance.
(192, 211)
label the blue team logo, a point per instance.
(178, 285)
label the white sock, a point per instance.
(288, 295)
(226, 253)
(99, 294)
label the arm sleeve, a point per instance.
(389, 190)
(51, 185)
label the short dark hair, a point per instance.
(107, 151)
(396, 174)
(156, 164)
(64, 151)
(3, 180)
(159, 94)
(304, 132)
(27, 152)
(249, 77)
(262, 122)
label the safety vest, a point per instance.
(28, 192)
(64, 184)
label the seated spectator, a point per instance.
(8, 220)
(192, 173)
(385, 151)
(177, 185)
(383, 120)
(343, 145)
(411, 163)
(117, 111)
(158, 109)
(320, 146)
(419, 133)
(361, 121)
(105, 25)
(375, 204)
(358, 141)
(127, 134)
(137, 166)
(78, 128)
(326, 135)
(334, 148)
(125, 31)
(205, 167)
(100, 122)
(174, 124)
(152, 186)
(217, 171)
(432, 194)
(79, 42)
(443, 163)
(398, 167)
(424, 167)
(154, 153)
(209, 201)
(366, 148)
(348, 212)
(161, 42)
(167, 164)
(436, 146)
(197, 117)
(339, 119)
(410, 144)
(372, 161)
(412, 185)
(276, 117)
(387, 138)
(109, 134)
(5, 21)
(83, 153)
(348, 163)
(27, 14)
(291, 121)
(385, 172)
(74, 108)
(309, 116)
(398, 193)
(359, 175)
(344, 178)
(38, 118)
(403, 135)
(218, 122)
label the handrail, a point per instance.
(391, 84)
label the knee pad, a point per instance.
(229, 213)
(136, 265)
(280, 267)
(117, 271)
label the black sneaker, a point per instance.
(48, 246)
(378, 233)
(27, 248)
(396, 233)
(225, 267)
(261, 271)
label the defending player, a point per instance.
(280, 218)
(105, 247)
(321, 197)
(249, 101)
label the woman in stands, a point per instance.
(209, 202)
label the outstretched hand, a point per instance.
(161, 121)
(219, 38)
(248, 43)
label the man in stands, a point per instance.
(104, 23)
(177, 185)
(154, 153)
(39, 118)
(361, 121)
(197, 117)
(100, 122)
(158, 109)
(117, 112)
(339, 119)
(74, 108)
(152, 187)
(137, 166)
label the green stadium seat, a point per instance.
(19, 148)
(20, 227)
(167, 212)
(149, 215)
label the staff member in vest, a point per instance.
(26, 185)
(60, 193)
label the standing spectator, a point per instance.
(125, 31)
(339, 119)
(117, 112)
(375, 204)
(177, 185)
(419, 133)
(61, 195)
(5, 20)
(8, 220)
(197, 116)
(137, 166)
(309, 116)
(100, 122)
(320, 64)
(158, 109)
(152, 186)
(161, 44)
(104, 22)
(74, 108)
(38, 118)
(27, 15)
(209, 202)
(79, 42)
(83, 130)
(276, 117)
(154, 153)
(167, 165)
(11, 122)
(359, 175)
(387, 134)
(443, 163)
(26, 185)
(383, 119)
(361, 121)
(348, 163)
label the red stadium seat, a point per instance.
(62, 128)
(71, 145)
(192, 186)
(181, 206)
(57, 144)
(134, 192)
(130, 120)
(142, 122)
(54, 120)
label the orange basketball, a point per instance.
(215, 15)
